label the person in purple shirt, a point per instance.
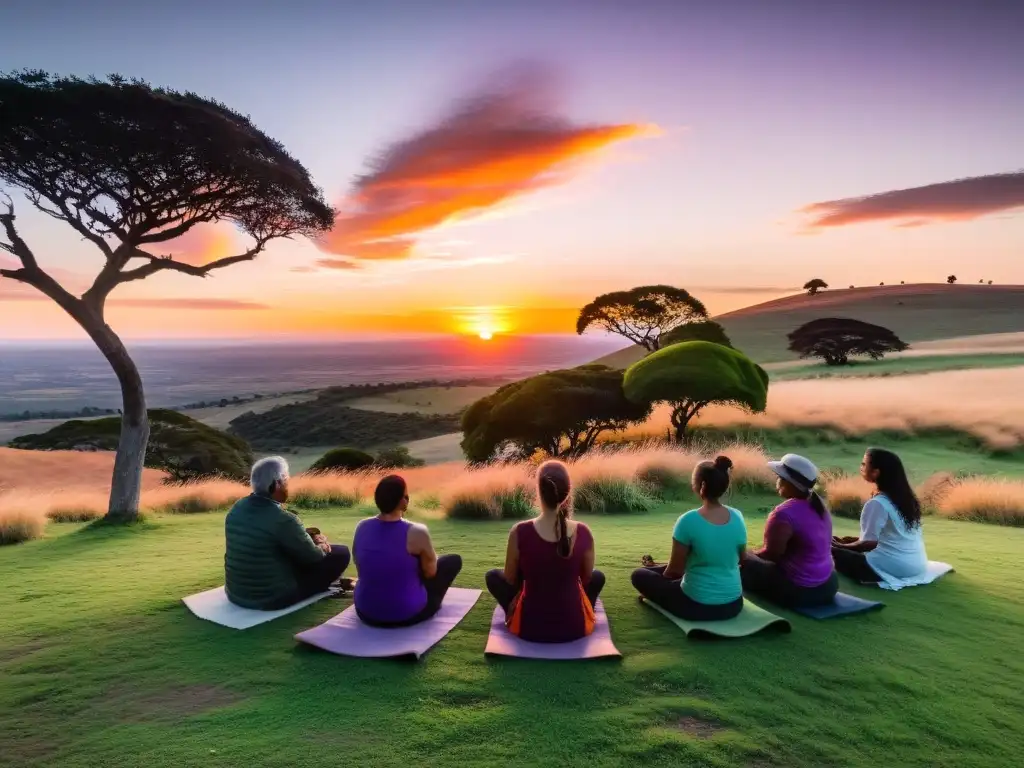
(794, 568)
(401, 581)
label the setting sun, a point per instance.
(486, 334)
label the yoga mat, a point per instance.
(597, 645)
(346, 635)
(213, 605)
(934, 571)
(844, 605)
(752, 619)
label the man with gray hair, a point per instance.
(271, 561)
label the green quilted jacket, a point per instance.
(263, 544)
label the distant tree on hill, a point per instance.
(642, 314)
(706, 330)
(990, 282)
(951, 279)
(836, 339)
(184, 448)
(342, 460)
(130, 167)
(881, 283)
(561, 413)
(813, 286)
(695, 374)
(397, 458)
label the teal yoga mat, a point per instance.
(751, 620)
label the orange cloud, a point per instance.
(960, 200)
(202, 244)
(495, 146)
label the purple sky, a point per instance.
(765, 108)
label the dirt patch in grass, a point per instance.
(21, 651)
(701, 729)
(172, 703)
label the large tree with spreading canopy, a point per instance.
(131, 167)
(642, 314)
(836, 339)
(561, 413)
(692, 375)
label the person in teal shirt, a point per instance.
(702, 579)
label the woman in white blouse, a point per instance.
(890, 548)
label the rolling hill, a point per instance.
(917, 313)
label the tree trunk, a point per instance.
(126, 483)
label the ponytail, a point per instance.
(554, 486)
(816, 503)
(562, 529)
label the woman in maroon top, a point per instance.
(549, 586)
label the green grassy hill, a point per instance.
(922, 312)
(101, 664)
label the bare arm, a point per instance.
(776, 539)
(511, 571)
(676, 567)
(419, 544)
(860, 545)
(589, 557)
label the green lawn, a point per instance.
(898, 366)
(101, 665)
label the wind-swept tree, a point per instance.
(642, 314)
(951, 279)
(702, 330)
(130, 167)
(836, 339)
(813, 286)
(694, 374)
(561, 413)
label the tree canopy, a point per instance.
(813, 286)
(703, 330)
(184, 448)
(951, 279)
(642, 314)
(342, 460)
(836, 339)
(693, 374)
(561, 413)
(131, 167)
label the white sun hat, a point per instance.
(797, 470)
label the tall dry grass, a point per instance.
(847, 496)
(21, 517)
(985, 403)
(988, 500)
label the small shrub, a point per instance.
(663, 482)
(73, 514)
(343, 460)
(430, 501)
(469, 507)
(491, 493)
(847, 496)
(22, 517)
(933, 490)
(611, 495)
(397, 458)
(324, 499)
(985, 500)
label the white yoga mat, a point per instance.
(213, 605)
(934, 571)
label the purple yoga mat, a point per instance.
(345, 634)
(598, 644)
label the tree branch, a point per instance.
(160, 263)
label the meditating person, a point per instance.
(794, 566)
(270, 560)
(890, 547)
(702, 579)
(401, 581)
(549, 587)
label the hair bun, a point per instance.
(723, 463)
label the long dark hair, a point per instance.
(892, 481)
(554, 486)
(713, 476)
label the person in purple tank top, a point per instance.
(401, 581)
(794, 568)
(549, 587)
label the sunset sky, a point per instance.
(497, 165)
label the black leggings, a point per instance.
(504, 592)
(854, 565)
(316, 578)
(448, 567)
(668, 594)
(765, 579)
